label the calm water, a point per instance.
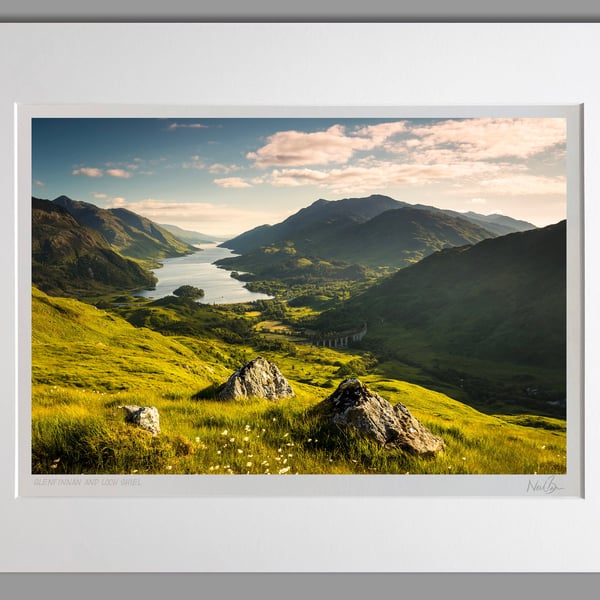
(197, 270)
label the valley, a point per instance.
(462, 324)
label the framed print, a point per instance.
(270, 350)
(229, 294)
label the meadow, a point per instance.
(86, 362)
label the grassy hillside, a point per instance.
(71, 259)
(129, 234)
(87, 362)
(489, 320)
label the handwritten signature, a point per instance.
(546, 486)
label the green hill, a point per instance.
(71, 259)
(87, 362)
(478, 317)
(128, 233)
(328, 240)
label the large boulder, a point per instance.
(354, 407)
(145, 417)
(258, 378)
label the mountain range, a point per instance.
(376, 231)
(71, 259)
(128, 233)
(79, 249)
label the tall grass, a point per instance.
(87, 362)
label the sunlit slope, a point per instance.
(87, 362)
(78, 345)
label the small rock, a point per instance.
(354, 406)
(145, 417)
(258, 378)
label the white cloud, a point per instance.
(174, 126)
(39, 183)
(195, 162)
(485, 139)
(121, 173)
(297, 148)
(379, 175)
(118, 202)
(88, 172)
(478, 201)
(232, 182)
(221, 169)
(99, 196)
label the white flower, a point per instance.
(284, 470)
(224, 432)
(246, 438)
(249, 463)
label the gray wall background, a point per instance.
(305, 586)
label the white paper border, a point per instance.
(315, 65)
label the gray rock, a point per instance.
(258, 378)
(145, 417)
(353, 406)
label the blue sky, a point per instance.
(225, 176)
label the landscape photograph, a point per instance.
(299, 296)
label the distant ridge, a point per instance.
(128, 233)
(192, 237)
(372, 232)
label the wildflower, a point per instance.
(249, 463)
(543, 447)
(264, 463)
(218, 452)
(169, 468)
(274, 420)
(284, 461)
(240, 451)
(284, 470)
(289, 456)
(309, 440)
(247, 428)
(211, 468)
(263, 430)
(250, 455)
(280, 450)
(246, 438)
(134, 471)
(197, 440)
(224, 432)
(232, 440)
(464, 458)
(285, 435)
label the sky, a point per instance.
(225, 176)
